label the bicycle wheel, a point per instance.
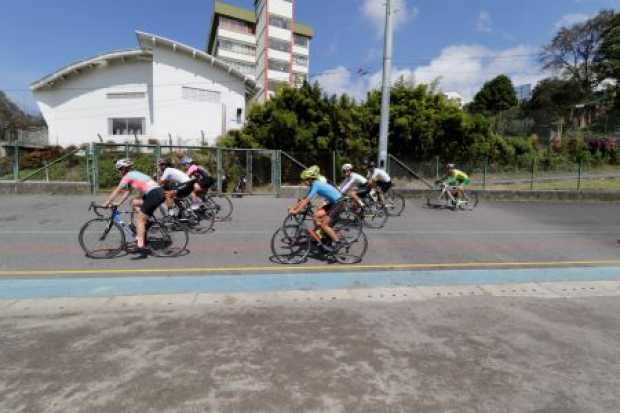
(471, 201)
(352, 252)
(101, 238)
(348, 226)
(394, 203)
(374, 215)
(223, 206)
(292, 221)
(291, 249)
(167, 239)
(436, 200)
(207, 220)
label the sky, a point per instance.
(463, 43)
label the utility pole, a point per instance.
(385, 91)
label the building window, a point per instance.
(275, 85)
(237, 47)
(278, 65)
(126, 95)
(126, 126)
(301, 40)
(299, 79)
(300, 60)
(243, 68)
(239, 115)
(236, 26)
(200, 95)
(278, 21)
(281, 45)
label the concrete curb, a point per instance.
(42, 187)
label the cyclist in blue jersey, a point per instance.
(325, 215)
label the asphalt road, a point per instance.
(466, 354)
(40, 233)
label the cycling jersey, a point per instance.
(175, 175)
(138, 181)
(352, 180)
(324, 190)
(458, 177)
(321, 178)
(379, 175)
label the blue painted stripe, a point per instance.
(117, 286)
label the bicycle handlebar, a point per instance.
(96, 207)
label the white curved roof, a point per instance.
(93, 62)
(148, 40)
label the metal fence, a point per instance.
(267, 171)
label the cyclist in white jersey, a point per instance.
(176, 183)
(380, 179)
(354, 184)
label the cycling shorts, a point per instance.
(385, 186)
(151, 200)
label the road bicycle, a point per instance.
(394, 203)
(293, 244)
(107, 236)
(305, 217)
(373, 214)
(443, 197)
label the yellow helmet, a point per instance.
(311, 173)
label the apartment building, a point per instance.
(267, 43)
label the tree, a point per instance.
(574, 51)
(608, 60)
(552, 102)
(495, 96)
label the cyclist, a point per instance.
(203, 183)
(380, 179)
(152, 196)
(176, 183)
(354, 184)
(456, 179)
(324, 215)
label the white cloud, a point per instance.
(569, 19)
(374, 10)
(460, 68)
(484, 22)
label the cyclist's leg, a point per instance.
(145, 208)
(322, 219)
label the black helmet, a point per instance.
(164, 163)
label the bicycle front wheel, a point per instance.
(291, 244)
(353, 251)
(471, 200)
(167, 239)
(101, 238)
(394, 203)
(375, 215)
(224, 207)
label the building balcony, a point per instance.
(248, 39)
(277, 54)
(300, 50)
(240, 57)
(277, 75)
(282, 34)
(300, 69)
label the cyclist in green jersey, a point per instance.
(457, 179)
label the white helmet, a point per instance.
(347, 167)
(123, 163)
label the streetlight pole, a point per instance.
(385, 90)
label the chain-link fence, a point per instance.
(52, 163)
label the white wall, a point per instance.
(78, 109)
(185, 119)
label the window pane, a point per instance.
(301, 40)
(200, 95)
(300, 60)
(278, 65)
(281, 45)
(281, 22)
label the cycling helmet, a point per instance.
(311, 173)
(450, 166)
(347, 167)
(164, 162)
(123, 164)
(186, 160)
